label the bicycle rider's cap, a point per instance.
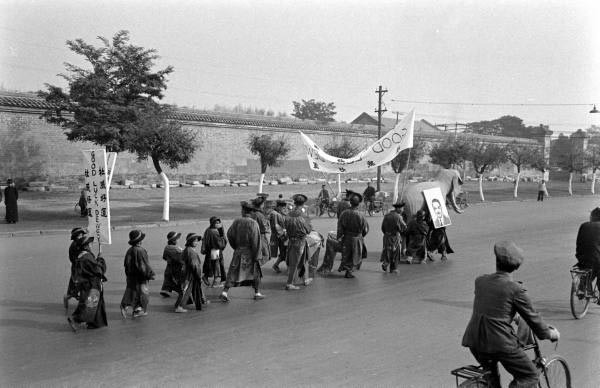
(299, 199)
(355, 199)
(508, 254)
(399, 204)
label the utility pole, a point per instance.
(379, 111)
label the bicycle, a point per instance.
(554, 372)
(376, 207)
(584, 290)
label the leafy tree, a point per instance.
(271, 152)
(346, 149)
(592, 161)
(113, 103)
(406, 157)
(314, 110)
(450, 154)
(520, 155)
(566, 155)
(485, 156)
(510, 126)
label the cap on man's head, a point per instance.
(281, 203)
(213, 220)
(595, 214)
(299, 199)
(509, 256)
(248, 205)
(399, 204)
(355, 199)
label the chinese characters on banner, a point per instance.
(96, 192)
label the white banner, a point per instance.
(111, 158)
(96, 191)
(381, 152)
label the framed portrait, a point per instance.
(436, 203)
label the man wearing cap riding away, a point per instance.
(489, 334)
(352, 227)
(587, 249)
(369, 195)
(244, 268)
(138, 273)
(323, 200)
(191, 282)
(88, 276)
(297, 226)
(172, 255)
(278, 234)
(392, 226)
(77, 234)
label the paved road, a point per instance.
(376, 330)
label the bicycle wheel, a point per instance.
(579, 301)
(332, 211)
(473, 383)
(556, 373)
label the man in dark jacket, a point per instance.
(297, 226)
(278, 234)
(138, 273)
(489, 334)
(391, 227)
(77, 234)
(11, 196)
(587, 250)
(352, 227)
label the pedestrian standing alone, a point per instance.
(542, 191)
(191, 283)
(392, 226)
(77, 234)
(89, 275)
(213, 243)
(82, 204)
(352, 227)
(172, 255)
(11, 196)
(138, 273)
(244, 269)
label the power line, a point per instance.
(486, 103)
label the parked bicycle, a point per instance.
(554, 371)
(584, 289)
(330, 207)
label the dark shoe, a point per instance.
(349, 275)
(165, 294)
(384, 267)
(72, 325)
(276, 268)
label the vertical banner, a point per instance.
(111, 158)
(96, 191)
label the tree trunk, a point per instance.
(396, 188)
(594, 181)
(517, 184)
(339, 184)
(260, 182)
(571, 183)
(481, 188)
(165, 182)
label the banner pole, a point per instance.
(405, 175)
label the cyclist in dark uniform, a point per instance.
(369, 196)
(587, 250)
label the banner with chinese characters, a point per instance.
(380, 152)
(96, 192)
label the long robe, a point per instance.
(192, 283)
(74, 251)
(172, 255)
(265, 236)
(213, 240)
(391, 227)
(11, 195)
(332, 247)
(437, 240)
(245, 239)
(278, 235)
(89, 274)
(297, 227)
(416, 238)
(352, 227)
(137, 272)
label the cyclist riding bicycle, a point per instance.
(587, 250)
(323, 200)
(369, 196)
(489, 334)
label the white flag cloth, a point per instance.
(377, 154)
(96, 193)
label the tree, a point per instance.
(346, 149)
(510, 126)
(450, 154)
(113, 103)
(485, 156)
(566, 155)
(314, 110)
(270, 151)
(592, 160)
(404, 158)
(520, 155)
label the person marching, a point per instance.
(392, 226)
(265, 228)
(77, 234)
(344, 203)
(172, 255)
(352, 227)
(191, 283)
(244, 268)
(11, 196)
(297, 225)
(417, 231)
(323, 200)
(213, 243)
(138, 273)
(278, 234)
(89, 275)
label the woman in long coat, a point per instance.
(214, 239)
(11, 195)
(89, 275)
(416, 238)
(191, 283)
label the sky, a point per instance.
(449, 60)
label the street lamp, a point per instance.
(594, 110)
